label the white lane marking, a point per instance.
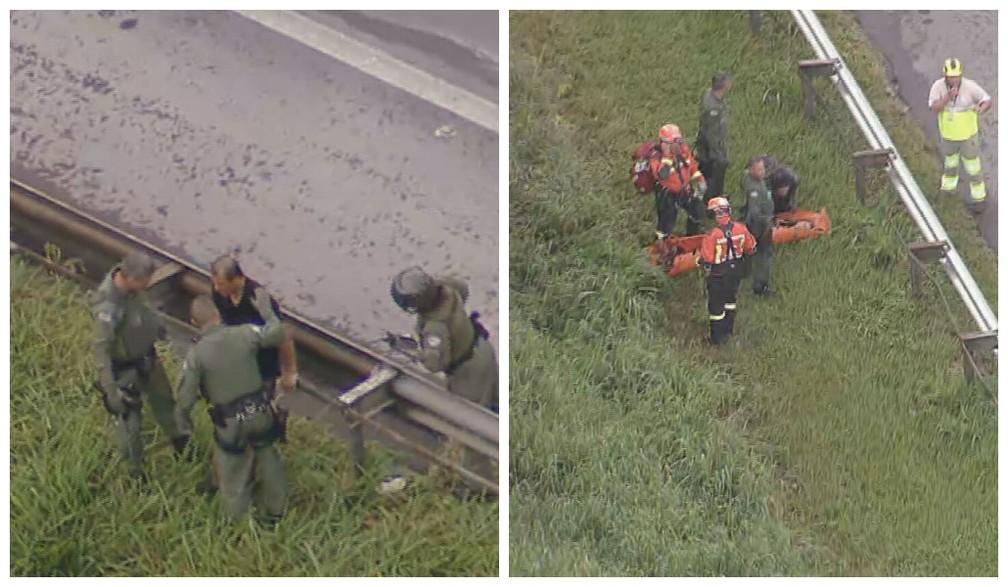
(379, 64)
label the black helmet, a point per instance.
(413, 290)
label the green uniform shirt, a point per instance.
(125, 327)
(224, 364)
(445, 333)
(759, 206)
(712, 138)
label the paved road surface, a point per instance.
(207, 132)
(915, 44)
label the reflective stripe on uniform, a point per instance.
(717, 252)
(972, 166)
(729, 306)
(949, 183)
(957, 126)
(978, 191)
(718, 317)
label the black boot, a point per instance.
(179, 443)
(729, 320)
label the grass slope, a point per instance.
(74, 513)
(835, 436)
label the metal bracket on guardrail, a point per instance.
(974, 343)
(755, 22)
(364, 401)
(809, 69)
(876, 158)
(922, 254)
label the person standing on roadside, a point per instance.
(712, 136)
(129, 369)
(958, 101)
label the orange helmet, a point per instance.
(669, 133)
(719, 206)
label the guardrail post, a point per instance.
(972, 344)
(809, 69)
(370, 391)
(923, 254)
(877, 158)
(755, 22)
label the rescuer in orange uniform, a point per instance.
(721, 256)
(679, 182)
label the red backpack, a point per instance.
(640, 173)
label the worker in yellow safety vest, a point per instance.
(958, 101)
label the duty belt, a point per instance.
(479, 331)
(142, 364)
(242, 408)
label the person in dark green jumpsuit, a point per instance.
(223, 368)
(450, 341)
(712, 136)
(758, 217)
(129, 369)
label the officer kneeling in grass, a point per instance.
(222, 367)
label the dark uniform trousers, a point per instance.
(714, 172)
(722, 291)
(668, 205)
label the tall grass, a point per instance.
(834, 436)
(73, 511)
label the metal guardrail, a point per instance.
(385, 383)
(914, 200)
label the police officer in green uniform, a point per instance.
(758, 217)
(129, 370)
(450, 342)
(712, 137)
(223, 368)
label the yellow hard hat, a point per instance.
(953, 67)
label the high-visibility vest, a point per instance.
(957, 126)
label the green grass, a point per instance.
(835, 436)
(73, 512)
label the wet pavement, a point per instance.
(207, 133)
(915, 44)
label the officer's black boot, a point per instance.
(717, 332)
(180, 443)
(729, 320)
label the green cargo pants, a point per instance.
(476, 379)
(154, 389)
(762, 260)
(248, 465)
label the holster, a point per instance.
(479, 331)
(248, 404)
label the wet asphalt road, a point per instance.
(915, 44)
(207, 133)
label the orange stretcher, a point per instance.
(679, 254)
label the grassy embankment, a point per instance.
(835, 436)
(73, 512)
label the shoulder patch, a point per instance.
(256, 329)
(433, 341)
(105, 316)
